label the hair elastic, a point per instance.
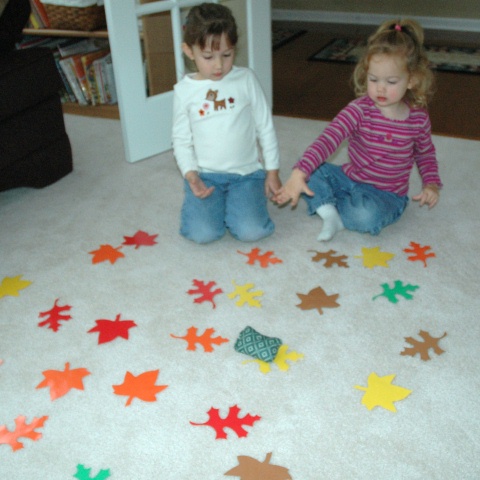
(398, 27)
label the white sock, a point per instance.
(332, 223)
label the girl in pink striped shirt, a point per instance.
(388, 129)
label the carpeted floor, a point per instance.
(107, 365)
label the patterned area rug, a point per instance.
(281, 36)
(448, 59)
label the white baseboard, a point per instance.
(349, 18)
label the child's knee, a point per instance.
(252, 232)
(202, 235)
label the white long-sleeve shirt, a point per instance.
(216, 125)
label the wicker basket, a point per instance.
(76, 18)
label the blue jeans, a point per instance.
(238, 203)
(362, 207)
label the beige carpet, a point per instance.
(312, 418)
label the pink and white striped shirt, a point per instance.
(381, 151)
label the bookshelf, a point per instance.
(104, 111)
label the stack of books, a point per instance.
(38, 16)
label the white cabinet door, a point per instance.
(147, 120)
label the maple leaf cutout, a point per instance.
(206, 340)
(249, 468)
(398, 289)
(142, 387)
(264, 260)
(317, 299)
(84, 474)
(140, 238)
(381, 393)
(61, 382)
(330, 258)
(419, 253)
(231, 421)
(245, 296)
(373, 257)
(281, 359)
(55, 316)
(12, 285)
(422, 348)
(205, 291)
(22, 429)
(106, 252)
(111, 329)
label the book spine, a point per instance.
(67, 67)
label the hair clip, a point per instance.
(398, 27)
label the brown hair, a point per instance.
(403, 38)
(210, 20)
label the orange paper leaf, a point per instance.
(264, 259)
(205, 340)
(142, 387)
(21, 430)
(106, 252)
(61, 382)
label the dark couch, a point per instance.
(34, 147)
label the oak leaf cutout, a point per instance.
(398, 289)
(111, 329)
(381, 393)
(205, 292)
(84, 474)
(281, 359)
(249, 468)
(106, 253)
(141, 386)
(12, 285)
(245, 295)
(419, 253)
(231, 421)
(61, 382)
(141, 238)
(22, 430)
(54, 316)
(317, 299)
(264, 259)
(206, 340)
(422, 348)
(374, 257)
(330, 258)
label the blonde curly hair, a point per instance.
(402, 38)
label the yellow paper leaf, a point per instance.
(280, 360)
(373, 257)
(11, 286)
(245, 295)
(381, 393)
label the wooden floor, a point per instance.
(319, 90)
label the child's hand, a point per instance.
(429, 196)
(197, 186)
(272, 183)
(293, 188)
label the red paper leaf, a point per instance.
(142, 387)
(61, 382)
(232, 421)
(205, 291)
(21, 430)
(264, 259)
(111, 329)
(106, 252)
(140, 238)
(206, 339)
(54, 316)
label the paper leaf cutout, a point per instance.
(249, 468)
(142, 387)
(61, 382)
(111, 329)
(264, 260)
(398, 289)
(12, 285)
(419, 253)
(281, 360)
(205, 291)
(206, 340)
(231, 421)
(84, 474)
(330, 258)
(54, 316)
(245, 296)
(22, 429)
(422, 348)
(141, 238)
(381, 393)
(373, 257)
(106, 253)
(317, 299)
